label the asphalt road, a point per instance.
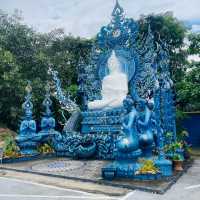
(15, 189)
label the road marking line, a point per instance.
(192, 187)
(49, 186)
(43, 196)
(128, 195)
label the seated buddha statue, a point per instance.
(114, 87)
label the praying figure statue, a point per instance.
(114, 87)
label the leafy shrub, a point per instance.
(45, 148)
(148, 167)
(10, 148)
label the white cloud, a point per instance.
(85, 17)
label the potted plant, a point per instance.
(174, 148)
(177, 162)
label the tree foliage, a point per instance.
(188, 88)
(194, 46)
(26, 55)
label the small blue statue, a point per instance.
(27, 138)
(48, 122)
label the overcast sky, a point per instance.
(85, 17)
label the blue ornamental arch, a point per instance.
(136, 56)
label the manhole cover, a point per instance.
(58, 166)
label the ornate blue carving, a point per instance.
(65, 99)
(102, 121)
(76, 145)
(165, 95)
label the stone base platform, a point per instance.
(89, 171)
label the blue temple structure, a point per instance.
(127, 103)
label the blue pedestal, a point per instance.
(165, 166)
(120, 169)
(125, 165)
(28, 148)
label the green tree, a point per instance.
(194, 46)
(26, 55)
(188, 89)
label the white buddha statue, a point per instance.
(114, 87)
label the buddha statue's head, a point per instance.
(114, 64)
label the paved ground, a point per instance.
(85, 170)
(187, 188)
(20, 188)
